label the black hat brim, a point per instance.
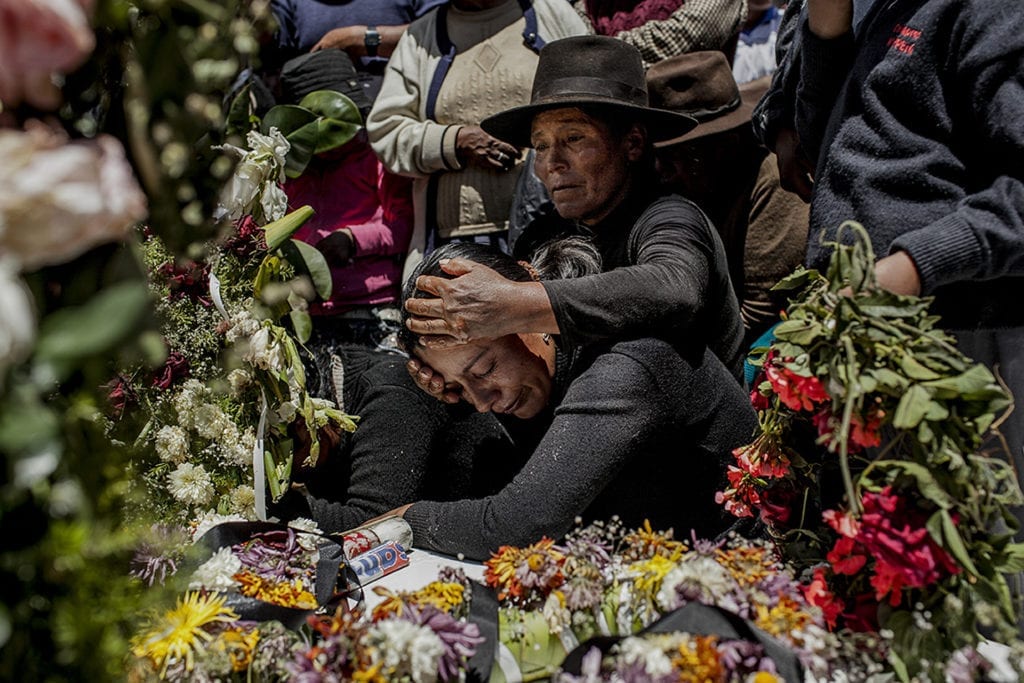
(514, 125)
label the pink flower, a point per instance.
(777, 505)
(740, 495)
(864, 432)
(844, 557)
(39, 38)
(175, 367)
(60, 198)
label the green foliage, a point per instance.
(323, 120)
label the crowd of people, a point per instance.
(554, 241)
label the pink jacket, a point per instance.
(348, 188)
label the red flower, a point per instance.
(864, 433)
(777, 505)
(797, 392)
(121, 394)
(893, 532)
(762, 458)
(175, 367)
(247, 238)
(844, 559)
(863, 617)
(188, 281)
(758, 400)
(818, 594)
(741, 494)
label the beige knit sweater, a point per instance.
(492, 71)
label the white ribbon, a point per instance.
(259, 472)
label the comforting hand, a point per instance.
(796, 172)
(475, 304)
(476, 147)
(432, 382)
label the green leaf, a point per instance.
(913, 406)
(239, 120)
(303, 325)
(974, 384)
(801, 332)
(955, 544)
(926, 483)
(98, 325)
(800, 278)
(283, 228)
(307, 257)
(914, 370)
(888, 379)
(1014, 559)
(331, 104)
(322, 121)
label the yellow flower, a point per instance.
(371, 675)
(765, 677)
(238, 644)
(447, 596)
(284, 594)
(645, 542)
(782, 619)
(649, 575)
(700, 664)
(749, 565)
(181, 631)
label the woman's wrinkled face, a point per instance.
(510, 375)
(584, 167)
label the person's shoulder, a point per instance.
(647, 355)
(673, 210)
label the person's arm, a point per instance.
(352, 39)
(407, 143)
(609, 412)
(983, 238)
(389, 453)
(827, 51)
(674, 250)
(696, 25)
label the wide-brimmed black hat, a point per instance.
(588, 70)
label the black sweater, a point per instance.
(637, 431)
(918, 125)
(665, 275)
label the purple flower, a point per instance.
(459, 638)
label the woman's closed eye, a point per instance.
(487, 369)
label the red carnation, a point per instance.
(175, 367)
(818, 594)
(797, 392)
(121, 394)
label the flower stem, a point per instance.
(844, 429)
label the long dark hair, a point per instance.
(554, 260)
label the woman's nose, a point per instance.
(481, 397)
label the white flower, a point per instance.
(239, 380)
(17, 317)
(287, 411)
(172, 444)
(264, 351)
(648, 653)
(556, 614)
(304, 524)
(192, 393)
(254, 187)
(407, 649)
(210, 519)
(59, 199)
(210, 421)
(242, 501)
(191, 484)
(237, 449)
(216, 573)
(705, 577)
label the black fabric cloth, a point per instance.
(323, 70)
(665, 275)
(636, 430)
(408, 446)
(916, 125)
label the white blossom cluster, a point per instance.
(255, 188)
(407, 649)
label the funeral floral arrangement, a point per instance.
(604, 580)
(872, 472)
(284, 632)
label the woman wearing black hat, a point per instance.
(665, 269)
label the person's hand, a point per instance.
(796, 172)
(898, 273)
(830, 19)
(475, 304)
(338, 248)
(476, 147)
(431, 381)
(351, 39)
